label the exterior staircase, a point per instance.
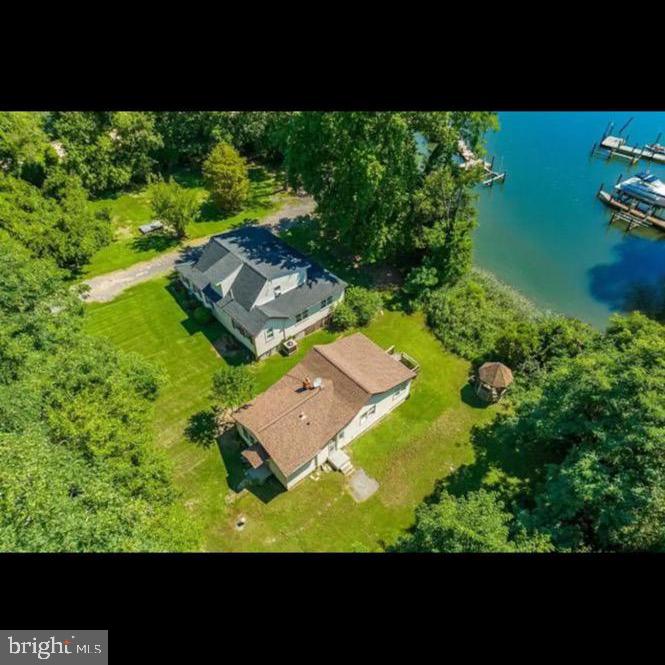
(340, 461)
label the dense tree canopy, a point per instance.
(107, 150)
(603, 413)
(78, 471)
(56, 222)
(24, 146)
(477, 522)
(387, 185)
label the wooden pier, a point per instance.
(632, 215)
(615, 146)
(471, 161)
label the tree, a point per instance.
(226, 175)
(595, 418)
(232, 387)
(379, 195)
(108, 151)
(443, 221)
(24, 147)
(60, 225)
(343, 317)
(477, 522)
(189, 136)
(78, 469)
(174, 205)
(361, 168)
(364, 302)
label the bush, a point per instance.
(202, 315)
(225, 173)
(365, 303)
(343, 317)
(482, 319)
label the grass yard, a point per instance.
(131, 210)
(425, 439)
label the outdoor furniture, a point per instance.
(149, 228)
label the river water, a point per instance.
(545, 233)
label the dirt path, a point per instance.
(106, 287)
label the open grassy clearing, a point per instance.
(131, 210)
(425, 439)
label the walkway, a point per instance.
(107, 287)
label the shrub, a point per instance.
(225, 173)
(343, 317)
(202, 315)
(364, 302)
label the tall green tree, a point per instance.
(362, 170)
(232, 387)
(226, 176)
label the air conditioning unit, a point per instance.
(290, 345)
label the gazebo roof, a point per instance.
(495, 374)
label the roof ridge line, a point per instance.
(317, 348)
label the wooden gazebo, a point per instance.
(493, 381)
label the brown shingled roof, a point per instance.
(366, 363)
(255, 455)
(495, 374)
(293, 423)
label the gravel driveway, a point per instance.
(106, 287)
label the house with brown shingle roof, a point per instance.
(333, 395)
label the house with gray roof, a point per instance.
(259, 288)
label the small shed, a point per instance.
(493, 381)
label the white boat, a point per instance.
(643, 187)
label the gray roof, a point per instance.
(263, 257)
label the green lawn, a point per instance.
(425, 439)
(131, 210)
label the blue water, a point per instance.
(545, 233)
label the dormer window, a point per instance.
(278, 291)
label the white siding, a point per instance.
(286, 283)
(384, 404)
(225, 320)
(286, 328)
(224, 285)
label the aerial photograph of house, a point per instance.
(332, 331)
(260, 289)
(322, 404)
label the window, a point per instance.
(277, 291)
(370, 412)
(270, 333)
(340, 436)
(326, 301)
(301, 316)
